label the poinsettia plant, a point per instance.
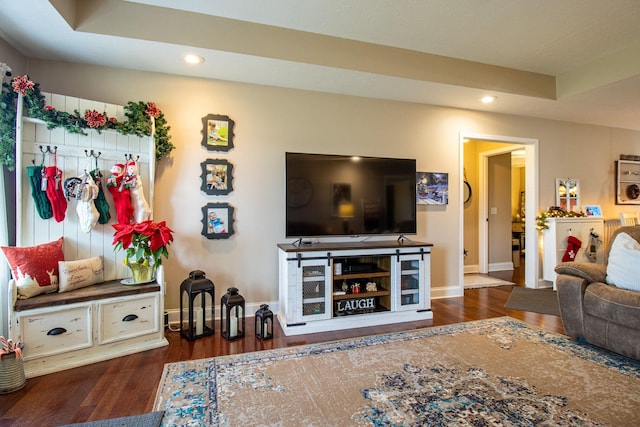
(144, 242)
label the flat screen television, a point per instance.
(338, 195)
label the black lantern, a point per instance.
(264, 323)
(197, 308)
(232, 315)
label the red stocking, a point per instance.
(573, 245)
(121, 194)
(55, 193)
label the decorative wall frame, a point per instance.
(217, 132)
(217, 177)
(217, 220)
(432, 188)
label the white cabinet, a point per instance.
(331, 286)
(65, 330)
(555, 241)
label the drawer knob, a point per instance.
(129, 317)
(56, 331)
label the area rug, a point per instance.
(472, 281)
(151, 419)
(543, 301)
(498, 372)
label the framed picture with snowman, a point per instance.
(217, 220)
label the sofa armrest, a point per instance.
(571, 284)
(589, 272)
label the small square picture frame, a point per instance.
(217, 132)
(593, 211)
(217, 220)
(217, 177)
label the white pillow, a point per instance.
(80, 274)
(623, 267)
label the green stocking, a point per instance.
(101, 203)
(43, 205)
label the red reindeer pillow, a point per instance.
(35, 268)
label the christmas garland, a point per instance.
(554, 212)
(138, 120)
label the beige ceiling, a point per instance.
(574, 60)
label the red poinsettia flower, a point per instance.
(152, 110)
(95, 119)
(144, 241)
(22, 84)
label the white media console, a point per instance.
(332, 286)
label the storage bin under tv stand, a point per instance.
(316, 295)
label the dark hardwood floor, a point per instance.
(127, 385)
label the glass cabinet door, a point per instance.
(315, 300)
(410, 290)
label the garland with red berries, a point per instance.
(138, 120)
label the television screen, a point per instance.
(336, 195)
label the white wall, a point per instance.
(270, 121)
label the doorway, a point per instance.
(507, 144)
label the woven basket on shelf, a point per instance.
(11, 373)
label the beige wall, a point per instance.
(270, 121)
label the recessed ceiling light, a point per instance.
(193, 59)
(488, 99)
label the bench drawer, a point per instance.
(56, 331)
(127, 318)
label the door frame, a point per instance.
(530, 146)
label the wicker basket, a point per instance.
(11, 373)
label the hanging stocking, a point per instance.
(55, 193)
(120, 193)
(86, 209)
(573, 245)
(102, 206)
(141, 209)
(594, 242)
(39, 191)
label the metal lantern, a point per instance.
(264, 323)
(232, 315)
(197, 308)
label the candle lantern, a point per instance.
(197, 308)
(264, 323)
(232, 315)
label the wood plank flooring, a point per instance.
(127, 385)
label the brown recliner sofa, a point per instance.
(599, 313)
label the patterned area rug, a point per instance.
(497, 372)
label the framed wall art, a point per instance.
(432, 188)
(217, 220)
(217, 132)
(593, 211)
(216, 177)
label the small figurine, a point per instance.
(372, 287)
(355, 288)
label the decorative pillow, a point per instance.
(623, 268)
(35, 268)
(80, 274)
